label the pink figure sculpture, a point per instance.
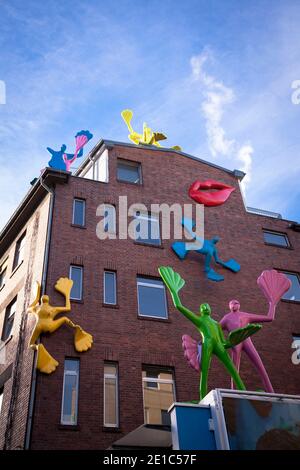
(273, 284)
(81, 138)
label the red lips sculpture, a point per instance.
(198, 192)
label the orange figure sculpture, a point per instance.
(46, 323)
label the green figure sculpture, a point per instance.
(213, 340)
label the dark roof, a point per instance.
(112, 143)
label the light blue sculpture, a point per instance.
(208, 249)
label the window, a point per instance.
(294, 291)
(109, 218)
(111, 411)
(9, 319)
(296, 345)
(76, 274)
(130, 172)
(147, 228)
(79, 212)
(110, 287)
(3, 271)
(151, 298)
(69, 410)
(276, 238)
(158, 399)
(19, 253)
(1, 397)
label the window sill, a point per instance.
(110, 305)
(77, 301)
(279, 246)
(7, 340)
(151, 245)
(163, 320)
(129, 182)
(111, 429)
(78, 226)
(69, 427)
(16, 268)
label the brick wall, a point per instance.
(119, 334)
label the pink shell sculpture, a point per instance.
(273, 284)
(192, 351)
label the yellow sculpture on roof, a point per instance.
(148, 137)
(45, 314)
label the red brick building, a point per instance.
(136, 365)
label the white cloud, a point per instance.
(216, 98)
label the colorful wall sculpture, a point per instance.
(273, 285)
(209, 250)
(60, 160)
(199, 191)
(148, 137)
(45, 314)
(213, 341)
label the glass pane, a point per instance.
(78, 213)
(110, 288)
(1, 398)
(110, 219)
(294, 292)
(297, 340)
(2, 277)
(147, 229)
(76, 276)
(8, 326)
(157, 401)
(110, 405)
(71, 365)
(70, 399)
(279, 239)
(110, 369)
(128, 172)
(152, 301)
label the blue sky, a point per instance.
(214, 75)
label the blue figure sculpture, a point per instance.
(57, 157)
(208, 249)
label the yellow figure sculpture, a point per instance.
(148, 137)
(46, 323)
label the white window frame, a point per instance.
(146, 284)
(81, 283)
(116, 378)
(73, 216)
(158, 381)
(70, 372)
(1, 398)
(282, 234)
(115, 287)
(20, 244)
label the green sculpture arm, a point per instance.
(174, 283)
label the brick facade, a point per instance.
(119, 334)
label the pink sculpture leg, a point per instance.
(273, 285)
